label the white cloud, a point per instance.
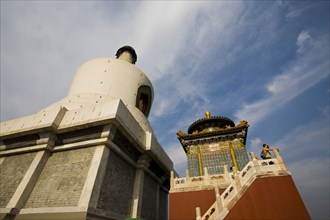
(176, 153)
(213, 41)
(255, 146)
(303, 36)
(302, 40)
(309, 140)
(179, 158)
(159, 34)
(303, 73)
(296, 11)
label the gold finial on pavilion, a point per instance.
(207, 114)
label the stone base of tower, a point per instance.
(88, 163)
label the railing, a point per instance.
(208, 214)
(219, 209)
(178, 184)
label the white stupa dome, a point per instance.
(105, 79)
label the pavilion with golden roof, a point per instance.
(212, 142)
(222, 183)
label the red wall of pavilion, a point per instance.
(270, 198)
(183, 204)
(267, 198)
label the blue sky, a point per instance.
(266, 62)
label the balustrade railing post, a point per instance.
(218, 199)
(198, 213)
(234, 170)
(226, 174)
(255, 162)
(253, 156)
(279, 159)
(172, 179)
(206, 176)
(237, 179)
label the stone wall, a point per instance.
(12, 170)
(126, 146)
(163, 205)
(149, 200)
(117, 186)
(62, 179)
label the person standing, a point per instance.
(265, 153)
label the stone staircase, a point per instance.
(240, 182)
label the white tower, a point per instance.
(92, 155)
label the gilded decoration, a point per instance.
(228, 128)
(220, 146)
(180, 133)
(242, 123)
